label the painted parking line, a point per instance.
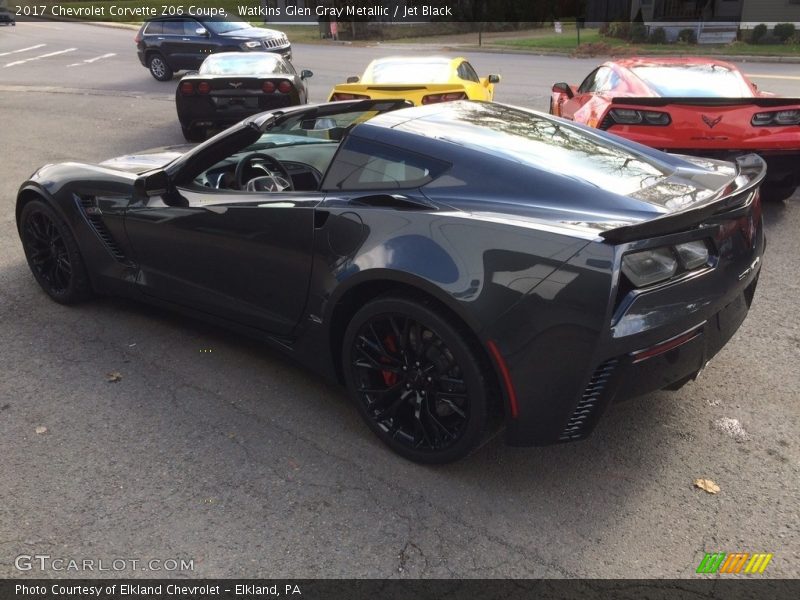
(23, 49)
(91, 60)
(49, 54)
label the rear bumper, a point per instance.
(601, 343)
(199, 111)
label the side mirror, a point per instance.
(153, 183)
(563, 88)
(493, 78)
(201, 31)
(353, 79)
(306, 74)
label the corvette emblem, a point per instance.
(238, 84)
(711, 122)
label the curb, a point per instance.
(495, 49)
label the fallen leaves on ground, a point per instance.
(113, 377)
(707, 485)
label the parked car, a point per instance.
(443, 261)
(233, 85)
(419, 79)
(6, 17)
(169, 44)
(700, 106)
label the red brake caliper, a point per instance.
(389, 378)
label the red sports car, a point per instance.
(696, 106)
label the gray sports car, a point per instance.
(446, 262)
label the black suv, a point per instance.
(170, 44)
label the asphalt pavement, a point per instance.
(212, 449)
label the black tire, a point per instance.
(194, 134)
(159, 68)
(774, 193)
(53, 255)
(427, 397)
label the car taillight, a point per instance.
(284, 87)
(268, 87)
(647, 267)
(187, 88)
(776, 118)
(203, 87)
(338, 96)
(138, 38)
(434, 98)
(629, 116)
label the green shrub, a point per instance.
(619, 29)
(658, 36)
(784, 31)
(759, 33)
(638, 33)
(688, 36)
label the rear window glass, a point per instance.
(410, 72)
(257, 64)
(542, 142)
(694, 81)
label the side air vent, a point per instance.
(581, 422)
(93, 214)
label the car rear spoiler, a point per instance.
(355, 88)
(737, 196)
(762, 102)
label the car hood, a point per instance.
(253, 33)
(146, 160)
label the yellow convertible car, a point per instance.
(421, 80)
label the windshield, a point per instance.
(309, 129)
(226, 26)
(255, 64)
(694, 81)
(396, 71)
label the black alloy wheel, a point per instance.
(415, 379)
(53, 254)
(159, 68)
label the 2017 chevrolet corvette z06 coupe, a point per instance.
(700, 106)
(443, 262)
(421, 80)
(234, 85)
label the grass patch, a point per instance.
(594, 43)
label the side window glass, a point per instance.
(190, 27)
(588, 83)
(155, 28)
(173, 27)
(365, 165)
(469, 73)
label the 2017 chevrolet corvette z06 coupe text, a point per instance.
(699, 106)
(234, 85)
(446, 263)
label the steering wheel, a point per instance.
(275, 179)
